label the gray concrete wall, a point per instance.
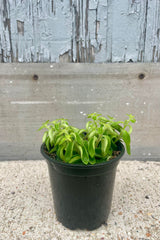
(71, 91)
(79, 30)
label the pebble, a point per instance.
(147, 197)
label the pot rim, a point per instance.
(83, 166)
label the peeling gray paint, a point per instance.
(79, 31)
(152, 47)
(20, 27)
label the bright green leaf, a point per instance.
(75, 129)
(50, 134)
(100, 130)
(126, 139)
(48, 144)
(130, 129)
(79, 139)
(109, 130)
(61, 152)
(45, 136)
(84, 154)
(105, 144)
(88, 125)
(92, 161)
(62, 141)
(44, 125)
(85, 157)
(103, 119)
(91, 146)
(62, 132)
(58, 140)
(116, 126)
(81, 131)
(94, 115)
(131, 118)
(69, 151)
(75, 159)
(98, 153)
(112, 118)
(92, 134)
(74, 135)
(52, 150)
(57, 126)
(80, 150)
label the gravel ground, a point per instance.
(26, 206)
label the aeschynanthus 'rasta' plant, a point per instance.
(94, 144)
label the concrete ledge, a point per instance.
(26, 210)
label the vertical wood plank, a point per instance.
(128, 30)
(152, 47)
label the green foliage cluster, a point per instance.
(94, 144)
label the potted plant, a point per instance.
(82, 166)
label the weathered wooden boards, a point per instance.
(79, 31)
(72, 91)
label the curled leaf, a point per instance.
(83, 154)
(79, 139)
(58, 140)
(117, 126)
(81, 131)
(52, 150)
(75, 159)
(69, 151)
(92, 161)
(48, 144)
(126, 139)
(103, 119)
(61, 153)
(92, 134)
(109, 130)
(73, 135)
(50, 134)
(63, 140)
(44, 136)
(105, 145)
(130, 129)
(89, 124)
(44, 125)
(91, 146)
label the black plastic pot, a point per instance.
(82, 193)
